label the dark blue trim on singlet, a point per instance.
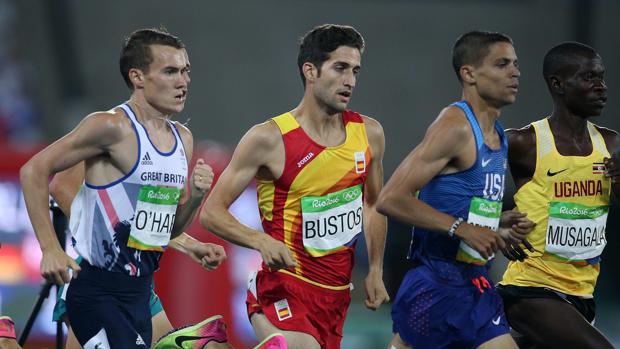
(477, 131)
(135, 165)
(472, 121)
(149, 137)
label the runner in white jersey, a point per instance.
(125, 225)
(64, 188)
(134, 198)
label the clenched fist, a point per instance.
(201, 179)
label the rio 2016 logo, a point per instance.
(352, 194)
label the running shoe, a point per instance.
(7, 328)
(195, 336)
(274, 341)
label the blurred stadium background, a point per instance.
(59, 62)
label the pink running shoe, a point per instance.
(195, 336)
(274, 341)
(7, 328)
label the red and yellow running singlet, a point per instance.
(315, 207)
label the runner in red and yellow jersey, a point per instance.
(319, 172)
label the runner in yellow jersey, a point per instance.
(562, 168)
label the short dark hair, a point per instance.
(136, 51)
(316, 45)
(563, 56)
(472, 47)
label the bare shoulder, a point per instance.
(262, 145)
(265, 135)
(452, 124)
(111, 125)
(521, 137)
(110, 118)
(374, 130)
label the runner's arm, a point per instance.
(250, 155)
(445, 139)
(514, 226)
(197, 186)
(375, 224)
(521, 154)
(210, 256)
(65, 186)
(444, 146)
(612, 165)
(95, 135)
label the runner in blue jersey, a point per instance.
(447, 300)
(136, 197)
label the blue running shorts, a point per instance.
(60, 308)
(109, 309)
(429, 313)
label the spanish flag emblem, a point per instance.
(282, 309)
(360, 162)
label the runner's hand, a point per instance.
(514, 227)
(612, 168)
(514, 251)
(484, 240)
(275, 254)
(210, 256)
(201, 180)
(55, 264)
(376, 294)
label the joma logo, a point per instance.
(305, 159)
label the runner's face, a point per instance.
(167, 80)
(497, 78)
(333, 88)
(585, 91)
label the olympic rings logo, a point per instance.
(351, 195)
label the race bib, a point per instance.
(576, 232)
(154, 218)
(331, 222)
(483, 213)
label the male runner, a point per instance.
(447, 301)
(319, 172)
(133, 200)
(208, 334)
(63, 188)
(563, 173)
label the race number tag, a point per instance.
(331, 222)
(154, 218)
(576, 232)
(483, 213)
